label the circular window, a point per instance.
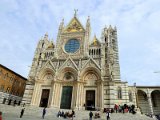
(72, 45)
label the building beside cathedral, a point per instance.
(12, 86)
(80, 72)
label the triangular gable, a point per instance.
(91, 63)
(69, 63)
(95, 42)
(49, 65)
(74, 26)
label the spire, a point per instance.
(75, 12)
(110, 27)
(46, 36)
(115, 28)
(88, 24)
(61, 24)
(88, 20)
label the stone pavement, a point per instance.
(35, 113)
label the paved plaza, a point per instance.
(33, 113)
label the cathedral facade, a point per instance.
(78, 72)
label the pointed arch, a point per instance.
(119, 92)
(90, 70)
(130, 96)
(44, 72)
(67, 70)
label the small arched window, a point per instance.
(130, 96)
(42, 44)
(105, 39)
(8, 90)
(119, 93)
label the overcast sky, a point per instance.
(24, 22)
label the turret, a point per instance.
(87, 36)
(42, 45)
(61, 27)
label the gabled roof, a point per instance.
(7, 69)
(74, 26)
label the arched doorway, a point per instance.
(47, 77)
(155, 95)
(68, 78)
(143, 101)
(44, 98)
(92, 89)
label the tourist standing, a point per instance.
(116, 107)
(90, 115)
(22, 112)
(44, 112)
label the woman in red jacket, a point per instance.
(0, 115)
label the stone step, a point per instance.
(35, 113)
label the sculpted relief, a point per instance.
(68, 76)
(90, 79)
(48, 76)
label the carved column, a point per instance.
(150, 101)
(56, 90)
(53, 95)
(102, 96)
(35, 94)
(77, 95)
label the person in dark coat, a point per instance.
(90, 115)
(44, 112)
(22, 112)
(108, 115)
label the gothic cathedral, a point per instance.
(76, 72)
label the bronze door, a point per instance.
(66, 97)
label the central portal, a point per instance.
(90, 99)
(66, 97)
(44, 98)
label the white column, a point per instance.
(34, 94)
(56, 94)
(77, 95)
(59, 97)
(150, 101)
(38, 95)
(52, 95)
(81, 102)
(102, 96)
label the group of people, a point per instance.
(66, 114)
(124, 108)
(97, 115)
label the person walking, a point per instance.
(44, 112)
(90, 115)
(22, 112)
(108, 115)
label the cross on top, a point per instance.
(75, 12)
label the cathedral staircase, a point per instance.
(35, 113)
